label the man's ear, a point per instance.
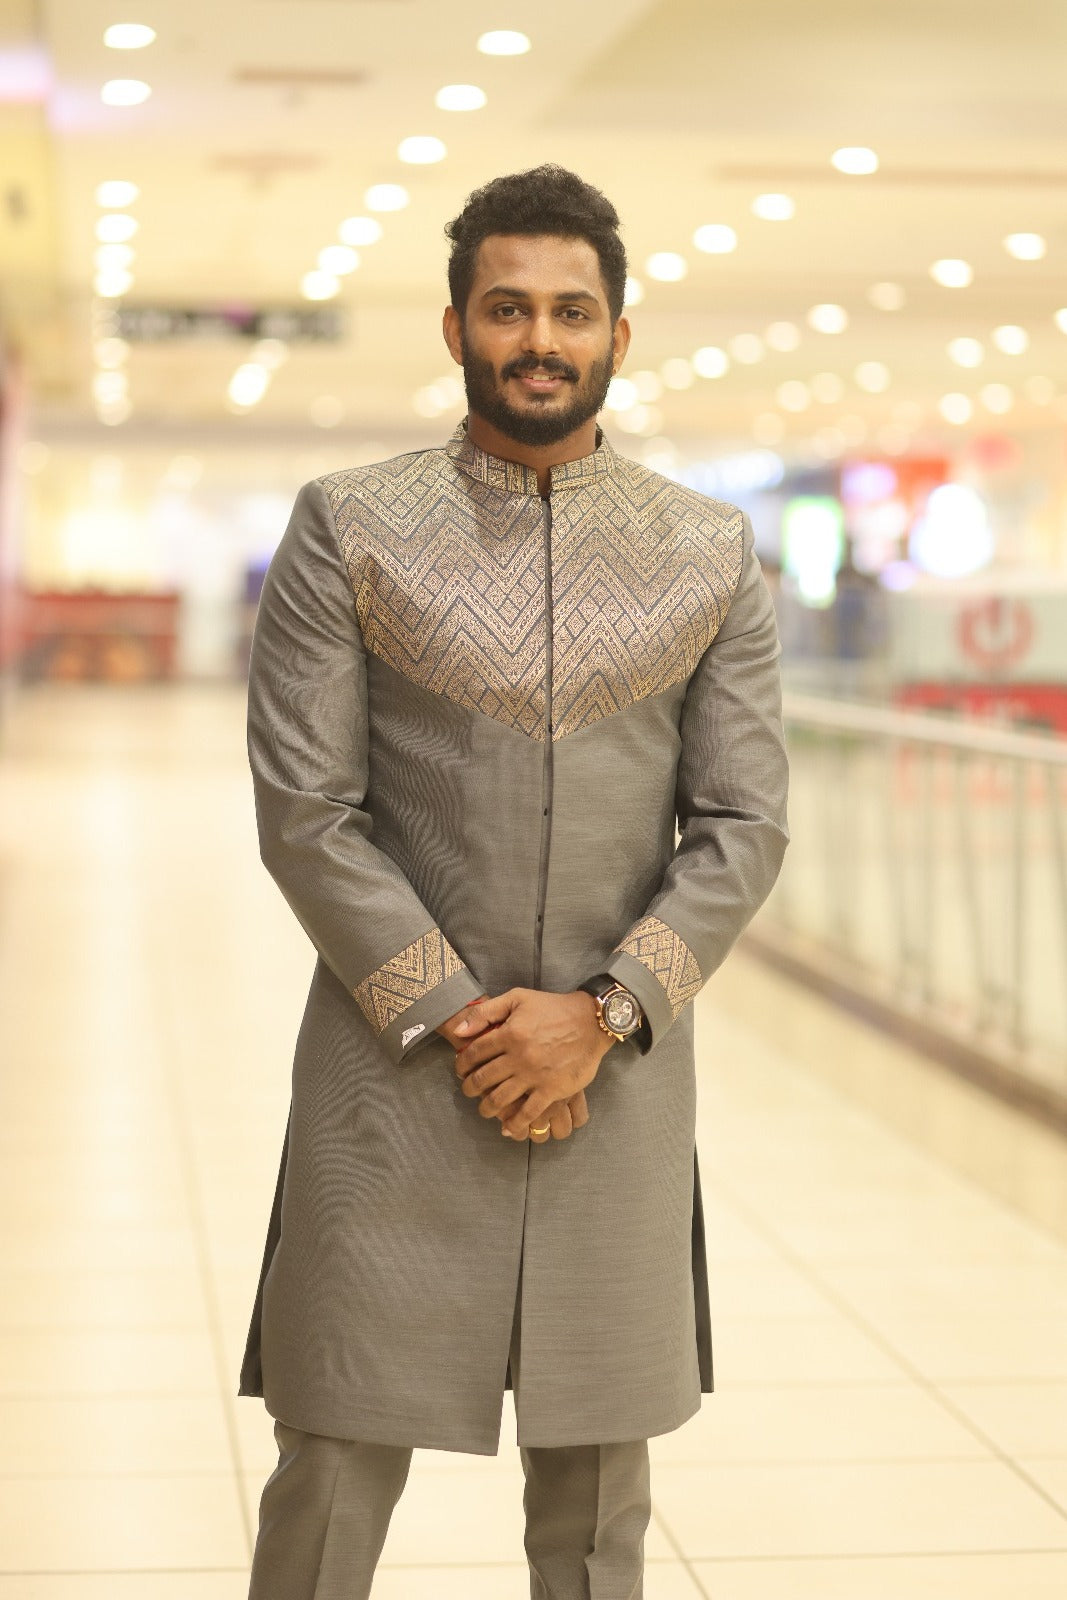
(620, 342)
(452, 328)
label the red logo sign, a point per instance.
(996, 634)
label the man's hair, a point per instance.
(544, 200)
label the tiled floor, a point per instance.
(888, 1249)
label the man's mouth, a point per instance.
(540, 382)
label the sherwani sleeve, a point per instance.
(308, 747)
(731, 809)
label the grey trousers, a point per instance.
(325, 1513)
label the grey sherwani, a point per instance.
(476, 719)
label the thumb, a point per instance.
(486, 1014)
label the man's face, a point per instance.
(536, 340)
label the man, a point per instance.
(487, 682)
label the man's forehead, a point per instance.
(537, 262)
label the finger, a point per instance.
(579, 1109)
(560, 1121)
(493, 1010)
(478, 1053)
(486, 1077)
(530, 1113)
(503, 1100)
(541, 1134)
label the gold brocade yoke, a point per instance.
(445, 553)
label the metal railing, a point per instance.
(928, 874)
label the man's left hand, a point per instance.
(540, 1048)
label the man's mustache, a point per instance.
(550, 366)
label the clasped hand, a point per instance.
(527, 1056)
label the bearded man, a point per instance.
(515, 734)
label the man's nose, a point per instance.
(542, 334)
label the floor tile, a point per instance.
(989, 1576)
(1024, 1419)
(153, 1523)
(1051, 1474)
(97, 1436)
(106, 1361)
(151, 1297)
(826, 1349)
(128, 1586)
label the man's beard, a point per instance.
(539, 423)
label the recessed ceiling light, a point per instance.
(111, 352)
(1026, 246)
(747, 348)
(855, 159)
(774, 207)
(386, 197)
(783, 336)
(360, 231)
(1060, 319)
(952, 273)
(677, 373)
(125, 92)
(634, 292)
(114, 414)
(873, 377)
(116, 193)
(667, 266)
(828, 319)
(338, 259)
(793, 396)
(710, 362)
(1014, 341)
(128, 36)
(997, 397)
(886, 296)
(270, 353)
(115, 227)
(460, 97)
(715, 239)
(111, 285)
(955, 408)
(248, 384)
(109, 387)
(319, 285)
(112, 257)
(503, 42)
(622, 395)
(421, 150)
(966, 352)
(827, 388)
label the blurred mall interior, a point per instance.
(222, 272)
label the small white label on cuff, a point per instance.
(411, 1033)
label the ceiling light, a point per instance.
(1060, 319)
(360, 231)
(128, 36)
(635, 292)
(855, 159)
(111, 352)
(429, 402)
(710, 362)
(248, 384)
(783, 336)
(955, 408)
(793, 396)
(828, 319)
(886, 296)
(1014, 341)
(677, 373)
(116, 194)
(622, 395)
(326, 411)
(503, 42)
(827, 388)
(952, 273)
(715, 239)
(270, 353)
(114, 227)
(873, 377)
(386, 197)
(319, 285)
(1042, 391)
(125, 92)
(1025, 246)
(112, 257)
(338, 259)
(666, 266)
(747, 348)
(649, 385)
(108, 387)
(966, 352)
(645, 420)
(114, 414)
(460, 97)
(996, 397)
(421, 150)
(774, 207)
(110, 285)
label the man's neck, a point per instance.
(542, 458)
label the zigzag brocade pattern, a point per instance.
(405, 978)
(667, 957)
(448, 569)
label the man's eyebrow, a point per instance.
(524, 294)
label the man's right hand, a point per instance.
(561, 1118)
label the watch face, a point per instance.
(620, 1013)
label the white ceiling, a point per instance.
(269, 118)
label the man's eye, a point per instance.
(574, 314)
(507, 312)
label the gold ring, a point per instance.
(542, 1130)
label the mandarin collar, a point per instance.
(515, 477)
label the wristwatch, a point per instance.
(617, 1010)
